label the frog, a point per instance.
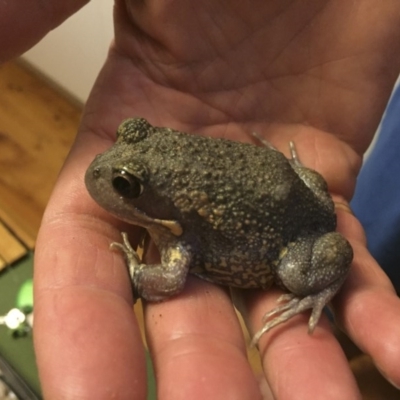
(237, 214)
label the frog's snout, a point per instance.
(92, 176)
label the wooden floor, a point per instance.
(37, 128)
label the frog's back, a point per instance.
(236, 188)
(239, 204)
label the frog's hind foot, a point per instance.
(293, 305)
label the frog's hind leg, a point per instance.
(312, 270)
(264, 142)
(295, 157)
(293, 152)
(294, 160)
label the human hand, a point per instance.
(319, 74)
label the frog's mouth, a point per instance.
(142, 219)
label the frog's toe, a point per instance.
(132, 260)
(296, 305)
(282, 313)
(288, 301)
(129, 253)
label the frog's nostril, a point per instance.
(96, 172)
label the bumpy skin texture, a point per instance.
(236, 214)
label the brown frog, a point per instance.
(232, 213)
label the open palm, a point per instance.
(317, 72)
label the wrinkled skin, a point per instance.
(319, 73)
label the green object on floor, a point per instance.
(17, 351)
(25, 296)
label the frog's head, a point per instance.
(120, 179)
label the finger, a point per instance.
(296, 364)
(368, 307)
(87, 341)
(24, 23)
(197, 346)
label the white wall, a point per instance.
(72, 54)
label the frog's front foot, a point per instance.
(156, 282)
(131, 257)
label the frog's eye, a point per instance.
(126, 184)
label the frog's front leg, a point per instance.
(312, 269)
(159, 281)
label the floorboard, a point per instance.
(37, 128)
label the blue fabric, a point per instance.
(377, 198)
